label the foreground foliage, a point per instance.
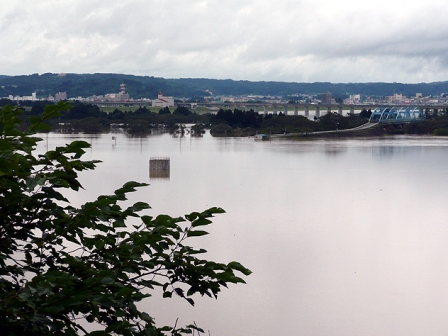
(68, 270)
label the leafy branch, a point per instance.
(63, 266)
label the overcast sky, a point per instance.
(276, 40)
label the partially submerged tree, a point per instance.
(63, 267)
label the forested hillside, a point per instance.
(91, 84)
(145, 86)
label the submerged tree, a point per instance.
(64, 267)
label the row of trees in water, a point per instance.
(90, 118)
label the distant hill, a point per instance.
(145, 86)
(92, 84)
(231, 87)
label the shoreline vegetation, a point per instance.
(143, 121)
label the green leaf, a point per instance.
(41, 127)
(237, 266)
(6, 167)
(100, 244)
(214, 210)
(5, 146)
(167, 294)
(146, 317)
(196, 233)
(120, 313)
(149, 283)
(191, 217)
(125, 291)
(201, 222)
(179, 291)
(54, 309)
(98, 333)
(194, 327)
(107, 281)
(166, 328)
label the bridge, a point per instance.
(398, 113)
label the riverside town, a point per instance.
(139, 106)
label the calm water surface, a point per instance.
(344, 237)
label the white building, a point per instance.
(356, 98)
(117, 97)
(396, 98)
(163, 101)
(60, 96)
(33, 97)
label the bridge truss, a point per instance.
(397, 115)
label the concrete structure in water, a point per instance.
(159, 167)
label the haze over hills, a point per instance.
(147, 86)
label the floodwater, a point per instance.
(344, 237)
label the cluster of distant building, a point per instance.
(396, 99)
(110, 99)
(123, 98)
(57, 97)
(328, 99)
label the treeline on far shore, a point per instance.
(141, 121)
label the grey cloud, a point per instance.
(257, 40)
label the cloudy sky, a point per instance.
(272, 40)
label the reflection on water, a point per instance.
(332, 150)
(156, 174)
(344, 237)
